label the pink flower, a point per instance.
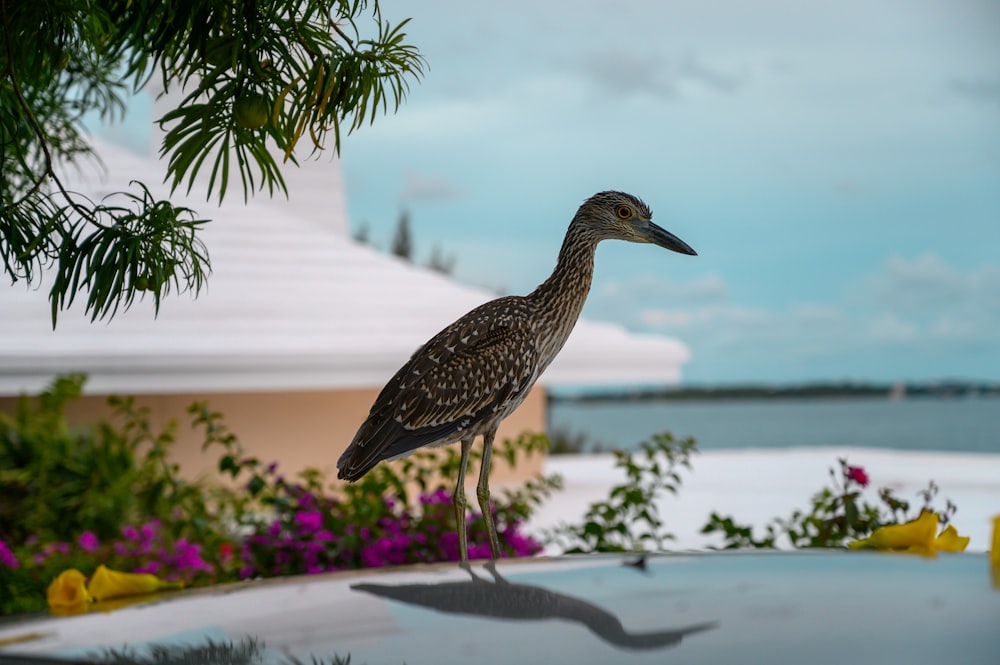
(152, 567)
(148, 530)
(310, 521)
(88, 541)
(7, 557)
(858, 475)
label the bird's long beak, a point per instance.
(660, 236)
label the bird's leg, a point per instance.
(483, 493)
(460, 504)
(491, 567)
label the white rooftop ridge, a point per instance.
(292, 303)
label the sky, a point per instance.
(835, 165)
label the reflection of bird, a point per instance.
(525, 602)
(639, 563)
(474, 373)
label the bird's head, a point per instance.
(620, 216)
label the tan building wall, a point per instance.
(298, 429)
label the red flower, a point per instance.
(225, 550)
(858, 475)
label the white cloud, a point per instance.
(924, 283)
(662, 318)
(617, 72)
(978, 89)
(941, 300)
(951, 329)
(818, 315)
(716, 78)
(920, 313)
(890, 328)
(417, 187)
(704, 289)
(622, 73)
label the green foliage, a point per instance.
(362, 235)
(402, 240)
(838, 514)
(53, 477)
(439, 262)
(428, 470)
(120, 252)
(22, 588)
(108, 493)
(258, 76)
(567, 442)
(61, 484)
(145, 548)
(249, 651)
(58, 481)
(398, 513)
(629, 519)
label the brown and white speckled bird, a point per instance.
(474, 373)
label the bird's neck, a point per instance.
(559, 299)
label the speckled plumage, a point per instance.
(473, 373)
(477, 371)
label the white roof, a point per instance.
(292, 303)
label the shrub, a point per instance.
(629, 520)
(398, 513)
(108, 493)
(838, 514)
(68, 496)
(58, 481)
(568, 442)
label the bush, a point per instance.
(838, 515)
(103, 493)
(398, 513)
(107, 493)
(567, 442)
(59, 481)
(629, 520)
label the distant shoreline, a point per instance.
(942, 390)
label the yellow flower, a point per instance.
(917, 533)
(68, 592)
(995, 552)
(950, 541)
(107, 583)
(915, 536)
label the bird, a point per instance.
(466, 379)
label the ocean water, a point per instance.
(928, 424)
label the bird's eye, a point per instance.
(624, 212)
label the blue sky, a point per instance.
(836, 165)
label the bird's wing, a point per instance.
(453, 384)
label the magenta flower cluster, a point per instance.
(88, 541)
(314, 534)
(301, 546)
(170, 559)
(7, 558)
(143, 549)
(856, 474)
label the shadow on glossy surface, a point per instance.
(502, 599)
